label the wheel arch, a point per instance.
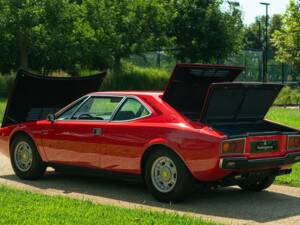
(26, 134)
(154, 147)
(19, 133)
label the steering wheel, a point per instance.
(85, 116)
(89, 116)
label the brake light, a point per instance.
(236, 146)
(293, 142)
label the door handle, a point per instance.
(97, 131)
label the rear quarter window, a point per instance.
(130, 110)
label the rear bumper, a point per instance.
(239, 163)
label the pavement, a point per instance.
(276, 205)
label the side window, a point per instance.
(131, 109)
(98, 108)
(70, 111)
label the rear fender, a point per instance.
(163, 142)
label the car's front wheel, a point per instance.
(25, 158)
(167, 177)
(258, 183)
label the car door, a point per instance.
(125, 137)
(75, 137)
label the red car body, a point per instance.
(123, 146)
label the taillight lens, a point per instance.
(236, 146)
(293, 142)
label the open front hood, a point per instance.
(189, 84)
(238, 102)
(33, 97)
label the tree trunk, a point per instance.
(23, 51)
(117, 66)
(23, 57)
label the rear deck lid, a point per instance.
(238, 102)
(189, 83)
(34, 96)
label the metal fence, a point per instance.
(251, 60)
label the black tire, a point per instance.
(184, 184)
(258, 183)
(37, 167)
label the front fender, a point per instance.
(36, 137)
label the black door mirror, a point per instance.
(51, 118)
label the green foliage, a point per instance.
(287, 38)
(66, 40)
(288, 96)
(124, 27)
(254, 34)
(18, 23)
(49, 35)
(20, 207)
(6, 83)
(136, 78)
(203, 32)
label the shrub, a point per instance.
(6, 83)
(288, 96)
(136, 78)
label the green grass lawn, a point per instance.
(290, 117)
(20, 207)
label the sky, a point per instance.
(252, 8)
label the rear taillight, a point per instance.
(236, 146)
(293, 142)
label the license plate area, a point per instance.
(264, 146)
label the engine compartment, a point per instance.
(252, 128)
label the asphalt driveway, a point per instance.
(277, 205)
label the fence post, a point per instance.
(282, 73)
(158, 58)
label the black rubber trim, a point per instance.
(78, 170)
(238, 163)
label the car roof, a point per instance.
(130, 93)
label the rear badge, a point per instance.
(264, 146)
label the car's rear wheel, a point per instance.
(25, 158)
(167, 177)
(258, 183)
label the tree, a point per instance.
(287, 39)
(125, 27)
(47, 35)
(66, 39)
(19, 20)
(203, 32)
(254, 34)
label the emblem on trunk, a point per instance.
(264, 146)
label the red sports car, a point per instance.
(203, 129)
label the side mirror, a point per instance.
(51, 118)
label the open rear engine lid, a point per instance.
(34, 96)
(238, 102)
(189, 83)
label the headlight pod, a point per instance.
(293, 143)
(233, 146)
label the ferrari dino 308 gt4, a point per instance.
(203, 129)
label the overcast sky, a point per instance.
(252, 8)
